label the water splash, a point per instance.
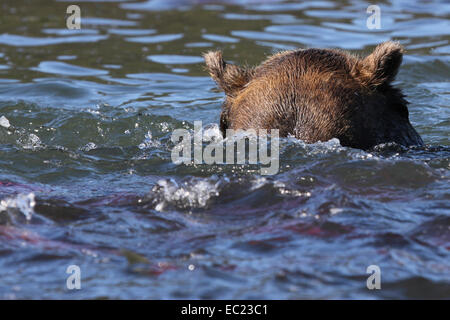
(193, 193)
(30, 142)
(4, 122)
(149, 142)
(88, 147)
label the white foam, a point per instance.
(88, 147)
(194, 193)
(30, 142)
(4, 122)
(25, 203)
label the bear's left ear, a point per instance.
(229, 77)
(382, 65)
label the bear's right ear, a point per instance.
(230, 78)
(382, 65)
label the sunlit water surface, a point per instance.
(86, 176)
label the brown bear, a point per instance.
(318, 94)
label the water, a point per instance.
(86, 176)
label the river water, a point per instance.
(86, 176)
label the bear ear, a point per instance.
(230, 78)
(382, 65)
